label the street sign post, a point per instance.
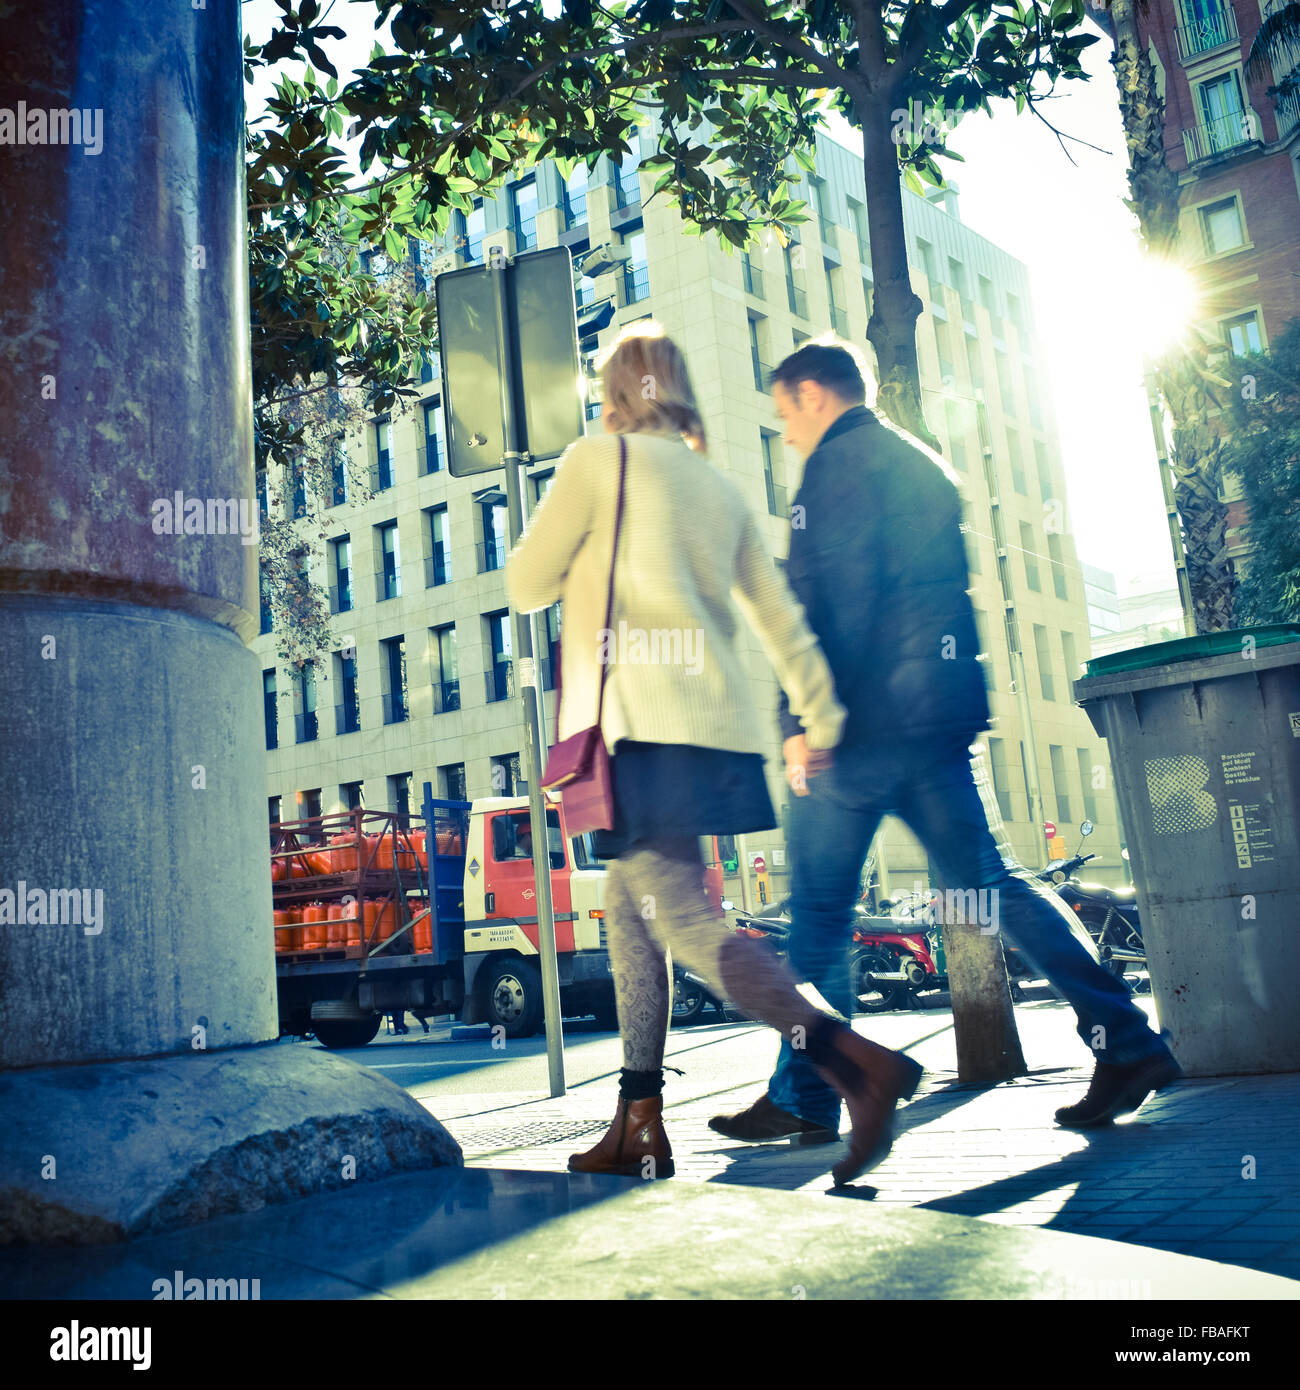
(512, 394)
(1049, 830)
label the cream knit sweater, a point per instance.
(688, 546)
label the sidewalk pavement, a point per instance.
(1208, 1168)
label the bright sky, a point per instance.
(1067, 222)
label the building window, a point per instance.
(399, 797)
(492, 551)
(273, 809)
(341, 589)
(1071, 656)
(383, 455)
(268, 709)
(926, 253)
(956, 435)
(309, 809)
(1000, 773)
(575, 198)
(506, 778)
(474, 227)
(305, 727)
(1018, 480)
(394, 670)
(987, 297)
(350, 796)
(446, 668)
(339, 477)
(1242, 334)
(752, 276)
(499, 683)
(636, 273)
(1224, 123)
(627, 187)
(974, 363)
(1222, 228)
(1043, 464)
(1046, 684)
(1028, 546)
(347, 713)
(551, 627)
(973, 562)
(298, 478)
(1084, 759)
(1206, 24)
(762, 370)
(817, 201)
(542, 485)
(451, 782)
(1005, 384)
(435, 439)
(264, 597)
(1061, 784)
(1058, 565)
(839, 319)
(776, 495)
(438, 565)
(796, 295)
(388, 582)
(858, 217)
(523, 198)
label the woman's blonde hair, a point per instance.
(646, 385)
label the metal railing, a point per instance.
(491, 555)
(446, 696)
(762, 372)
(388, 584)
(437, 570)
(575, 209)
(827, 229)
(341, 596)
(798, 300)
(347, 717)
(753, 278)
(1212, 30)
(431, 455)
(636, 283)
(381, 475)
(499, 682)
(1219, 136)
(525, 233)
(305, 727)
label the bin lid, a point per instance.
(1207, 644)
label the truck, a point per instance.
(436, 914)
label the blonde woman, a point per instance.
(685, 741)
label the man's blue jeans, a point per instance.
(934, 790)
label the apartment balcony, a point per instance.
(491, 555)
(388, 584)
(347, 718)
(778, 498)
(753, 278)
(1220, 137)
(575, 210)
(762, 372)
(1287, 113)
(499, 683)
(446, 697)
(636, 283)
(525, 234)
(437, 571)
(1204, 35)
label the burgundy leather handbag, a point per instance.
(578, 767)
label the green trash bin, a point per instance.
(1204, 738)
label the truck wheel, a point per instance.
(345, 1032)
(512, 997)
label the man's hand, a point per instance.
(802, 762)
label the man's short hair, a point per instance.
(830, 365)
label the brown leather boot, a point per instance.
(634, 1146)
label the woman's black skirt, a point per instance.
(665, 789)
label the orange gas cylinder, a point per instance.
(283, 935)
(370, 918)
(352, 922)
(384, 854)
(386, 921)
(420, 840)
(406, 854)
(320, 861)
(422, 932)
(313, 930)
(336, 926)
(292, 917)
(279, 870)
(343, 860)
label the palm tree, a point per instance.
(1184, 375)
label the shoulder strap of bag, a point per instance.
(609, 600)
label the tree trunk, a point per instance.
(1196, 452)
(894, 307)
(984, 1027)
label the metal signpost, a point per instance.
(512, 394)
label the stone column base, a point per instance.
(106, 1152)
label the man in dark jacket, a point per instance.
(878, 561)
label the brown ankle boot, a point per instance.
(634, 1146)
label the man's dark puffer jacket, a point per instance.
(878, 560)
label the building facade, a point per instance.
(1236, 151)
(421, 680)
